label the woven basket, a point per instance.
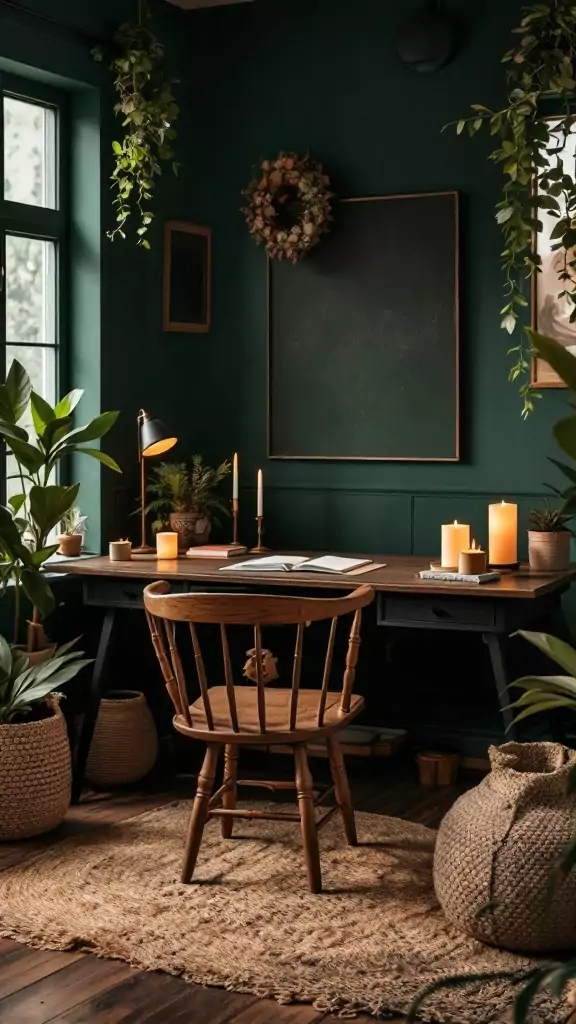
(35, 775)
(499, 844)
(125, 745)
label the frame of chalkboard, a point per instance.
(187, 282)
(455, 455)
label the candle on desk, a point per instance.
(503, 534)
(472, 561)
(167, 545)
(260, 497)
(455, 538)
(235, 477)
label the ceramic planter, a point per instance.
(549, 552)
(70, 545)
(191, 527)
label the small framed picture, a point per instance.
(187, 291)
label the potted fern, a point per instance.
(186, 499)
(548, 539)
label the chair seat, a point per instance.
(277, 716)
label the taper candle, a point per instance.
(503, 534)
(455, 538)
(167, 545)
(260, 497)
(235, 477)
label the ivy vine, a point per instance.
(530, 147)
(148, 110)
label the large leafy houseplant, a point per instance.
(40, 504)
(181, 488)
(24, 687)
(147, 110)
(529, 148)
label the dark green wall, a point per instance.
(274, 74)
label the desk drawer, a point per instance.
(440, 612)
(107, 592)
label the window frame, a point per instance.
(38, 222)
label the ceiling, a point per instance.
(189, 5)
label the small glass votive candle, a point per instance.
(472, 561)
(167, 545)
(120, 550)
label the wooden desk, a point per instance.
(494, 610)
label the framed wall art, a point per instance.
(363, 347)
(550, 311)
(187, 290)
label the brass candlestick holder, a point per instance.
(235, 542)
(260, 549)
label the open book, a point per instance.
(298, 563)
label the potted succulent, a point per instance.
(71, 537)
(185, 498)
(549, 539)
(40, 504)
(35, 773)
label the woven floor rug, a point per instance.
(369, 943)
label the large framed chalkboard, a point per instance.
(363, 336)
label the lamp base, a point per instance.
(259, 550)
(145, 549)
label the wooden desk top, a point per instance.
(399, 575)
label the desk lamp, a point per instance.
(152, 440)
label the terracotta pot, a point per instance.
(191, 527)
(125, 743)
(36, 657)
(35, 775)
(549, 552)
(70, 545)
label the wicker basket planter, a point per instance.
(125, 744)
(499, 844)
(35, 775)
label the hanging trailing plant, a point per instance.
(530, 148)
(147, 108)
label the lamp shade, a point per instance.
(154, 439)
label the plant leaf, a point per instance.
(558, 650)
(95, 453)
(66, 405)
(559, 358)
(37, 590)
(15, 393)
(48, 504)
(30, 456)
(42, 413)
(93, 430)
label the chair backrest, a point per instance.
(164, 610)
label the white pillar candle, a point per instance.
(503, 533)
(235, 477)
(455, 538)
(167, 545)
(260, 497)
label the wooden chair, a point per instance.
(232, 716)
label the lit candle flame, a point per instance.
(473, 548)
(455, 522)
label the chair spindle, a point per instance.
(296, 673)
(229, 678)
(170, 628)
(259, 679)
(202, 677)
(327, 671)
(168, 674)
(351, 662)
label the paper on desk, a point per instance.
(366, 568)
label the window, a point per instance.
(32, 235)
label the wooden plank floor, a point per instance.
(72, 988)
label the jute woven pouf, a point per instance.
(125, 743)
(35, 775)
(499, 844)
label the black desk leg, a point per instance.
(496, 643)
(92, 705)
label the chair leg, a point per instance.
(304, 789)
(230, 795)
(200, 810)
(342, 789)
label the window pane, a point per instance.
(30, 291)
(29, 153)
(41, 366)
